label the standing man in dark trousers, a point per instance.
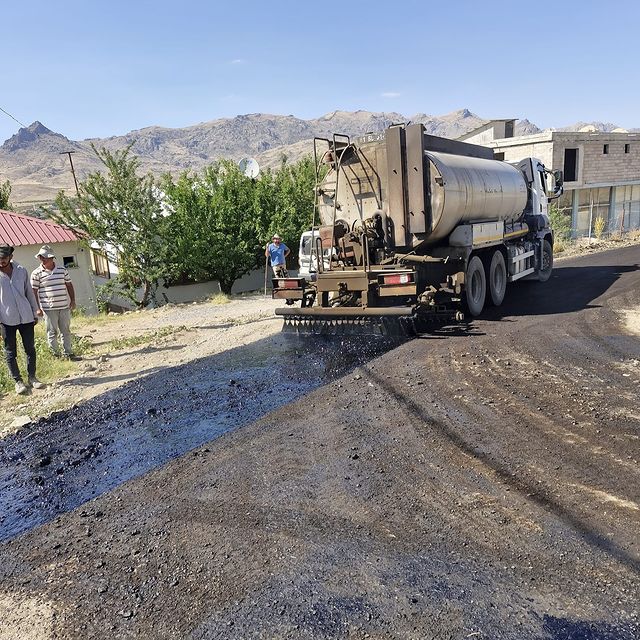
(278, 251)
(18, 309)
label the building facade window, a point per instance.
(592, 204)
(605, 149)
(627, 148)
(100, 264)
(570, 165)
(626, 209)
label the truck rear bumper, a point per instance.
(346, 312)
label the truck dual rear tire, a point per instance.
(475, 286)
(497, 276)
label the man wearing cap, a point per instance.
(278, 251)
(56, 298)
(18, 314)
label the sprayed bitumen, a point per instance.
(62, 461)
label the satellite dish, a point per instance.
(249, 167)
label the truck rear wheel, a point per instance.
(547, 261)
(475, 286)
(497, 276)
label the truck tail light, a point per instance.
(289, 283)
(398, 278)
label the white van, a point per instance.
(308, 259)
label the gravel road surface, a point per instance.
(482, 482)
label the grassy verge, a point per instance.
(49, 368)
(135, 341)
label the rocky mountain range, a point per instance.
(35, 159)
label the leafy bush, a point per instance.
(560, 220)
(5, 192)
(598, 227)
(115, 288)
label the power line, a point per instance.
(13, 118)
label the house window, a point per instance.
(100, 264)
(498, 156)
(69, 262)
(605, 149)
(570, 165)
(627, 148)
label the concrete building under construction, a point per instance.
(601, 170)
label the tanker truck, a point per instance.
(410, 227)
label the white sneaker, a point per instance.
(21, 388)
(36, 384)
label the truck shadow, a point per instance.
(60, 462)
(569, 289)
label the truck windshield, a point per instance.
(543, 181)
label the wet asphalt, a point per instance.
(58, 463)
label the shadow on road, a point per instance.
(569, 289)
(62, 461)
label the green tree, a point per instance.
(5, 193)
(221, 220)
(123, 214)
(294, 193)
(214, 224)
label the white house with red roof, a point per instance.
(27, 234)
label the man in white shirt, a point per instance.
(55, 298)
(18, 315)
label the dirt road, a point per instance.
(479, 483)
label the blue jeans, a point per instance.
(11, 348)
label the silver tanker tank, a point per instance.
(462, 189)
(465, 189)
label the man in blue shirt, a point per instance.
(278, 251)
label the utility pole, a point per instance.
(68, 153)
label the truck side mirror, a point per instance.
(555, 182)
(558, 187)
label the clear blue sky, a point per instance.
(94, 68)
